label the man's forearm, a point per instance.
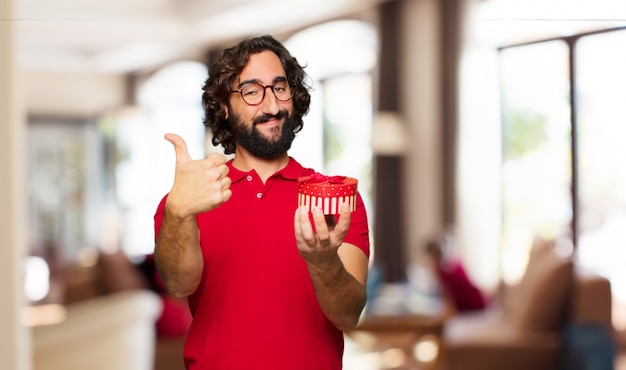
(178, 255)
(338, 293)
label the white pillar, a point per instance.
(420, 98)
(15, 343)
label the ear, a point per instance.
(225, 111)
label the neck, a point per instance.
(244, 161)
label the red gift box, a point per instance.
(327, 192)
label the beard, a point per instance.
(251, 139)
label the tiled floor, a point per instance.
(355, 358)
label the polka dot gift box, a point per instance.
(327, 192)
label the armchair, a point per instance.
(526, 328)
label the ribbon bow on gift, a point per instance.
(318, 177)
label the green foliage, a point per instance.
(523, 130)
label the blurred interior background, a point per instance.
(495, 121)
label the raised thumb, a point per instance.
(182, 153)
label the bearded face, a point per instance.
(250, 138)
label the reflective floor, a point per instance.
(389, 358)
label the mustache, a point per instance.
(266, 117)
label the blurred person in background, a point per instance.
(270, 285)
(457, 288)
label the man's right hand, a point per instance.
(199, 185)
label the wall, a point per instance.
(72, 94)
(38, 93)
(14, 338)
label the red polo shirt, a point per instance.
(255, 307)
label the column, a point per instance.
(15, 347)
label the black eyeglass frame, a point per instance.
(240, 91)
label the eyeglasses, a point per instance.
(253, 93)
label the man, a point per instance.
(270, 285)
(459, 291)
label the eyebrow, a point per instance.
(257, 81)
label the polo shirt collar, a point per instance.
(291, 171)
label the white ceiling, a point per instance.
(118, 36)
(506, 22)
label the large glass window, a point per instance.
(536, 168)
(554, 189)
(600, 61)
(348, 128)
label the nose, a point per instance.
(270, 103)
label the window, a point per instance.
(168, 101)
(536, 158)
(339, 57)
(562, 169)
(601, 124)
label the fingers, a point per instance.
(226, 192)
(217, 159)
(199, 185)
(321, 227)
(345, 217)
(219, 162)
(182, 153)
(320, 230)
(302, 225)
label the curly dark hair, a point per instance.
(222, 75)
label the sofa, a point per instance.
(117, 317)
(557, 317)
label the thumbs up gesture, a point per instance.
(199, 185)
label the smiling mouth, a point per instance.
(267, 118)
(271, 121)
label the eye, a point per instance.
(251, 90)
(280, 87)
